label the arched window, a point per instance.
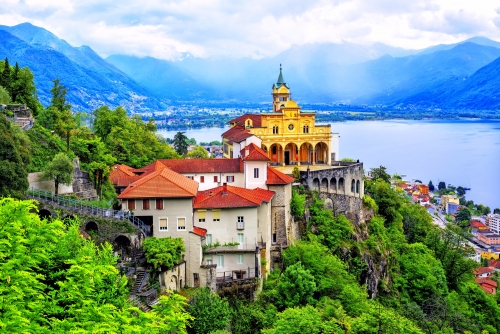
(275, 130)
(353, 186)
(306, 129)
(358, 184)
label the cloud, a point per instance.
(256, 28)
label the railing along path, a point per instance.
(80, 206)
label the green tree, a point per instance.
(60, 169)
(348, 160)
(295, 287)
(496, 211)
(442, 185)
(4, 96)
(163, 252)
(210, 312)
(463, 214)
(59, 93)
(460, 191)
(380, 173)
(180, 143)
(296, 173)
(5, 77)
(198, 152)
(297, 204)
(302, 320)
(14, 160)
(431, 186)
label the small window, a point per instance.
(209, 239)
(220, 261)
(306, 128)
(216, 215)
(159, 204)
(202, 179)
(255, 173)
(145, 204)
(274, 237)
(181, 224)
(131, 204)
(190, 177)
(208, 260)
(216, 178)
(240, 259)
(201, 216)
(230, 178)
(163, 224)
(240, 219)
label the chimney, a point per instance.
(224, 189)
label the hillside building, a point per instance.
(288, 135)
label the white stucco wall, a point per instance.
(239, 180)
(250, 181)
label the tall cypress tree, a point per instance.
(15, 84)
(5, 77)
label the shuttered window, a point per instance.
(201, 216)
(163, 224)
(216, 215)
(145, 204)
(181, 223)
(159, 204)
(131, 204)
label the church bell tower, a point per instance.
(281, 93)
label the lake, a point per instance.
(460, 152)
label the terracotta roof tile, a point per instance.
(231, 197)
(125, 181)
(163, 183)
(202, 232)
(274, 176)
(256, 120)
(255, 153)
(118, 171)
(204, 165)
(236, 134)
(483, 270)
(494, 263)
(477, 224)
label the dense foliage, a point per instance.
(163, 252)
(52, 280)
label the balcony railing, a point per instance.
(240, 225)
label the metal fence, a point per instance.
(237, 275)
(81, 206)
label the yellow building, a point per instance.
(289, 135)
(445, 199)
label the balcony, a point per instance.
(240, 225)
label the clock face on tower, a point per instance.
(290, 127)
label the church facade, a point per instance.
(289, 135)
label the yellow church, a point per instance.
(289, 135)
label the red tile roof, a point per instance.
(487, 284)
(236, 134)
(199, 231)
(231, 197)
(483, 270)
(274, 176)
(163, 183)
(477, 224)
(204, 165)
(125, 181)
(256, 120)
(154, 166)
(255, 153)
(118, 171)
(494, 263)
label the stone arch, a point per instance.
(91, 226)
(358, 187)
(316, 184)
(291, 154)
(122, 240)
(329, 203)
(324, 185)
(172, 284)
(321, 153)
(45, 214)
(353, 186)
(306, 153)
(341, 187)
(121, 245)
(275, 153)
(333, 185)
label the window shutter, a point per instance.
(131, 204)
(216, 215)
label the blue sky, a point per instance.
(257, 28)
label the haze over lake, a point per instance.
(460, 152)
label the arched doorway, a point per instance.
(353, 186)
(121, 245)
(333, 185)
(276, 154)
(358, 187)
(306, 153)
(324, 185)
(45, 214)
(291, 154)
(341, 186)
(316, 184)
(92, 227)
(321, 153)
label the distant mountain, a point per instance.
(169, 82)
(91, 81)
(414, 79)
(476, 40)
